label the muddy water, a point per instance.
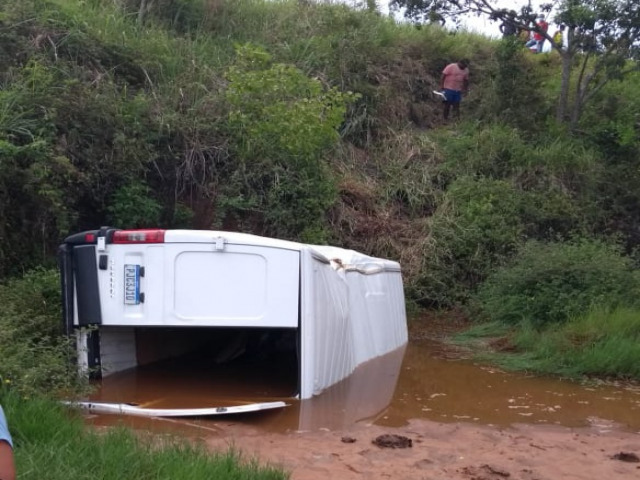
(432, 387)
(413, 383)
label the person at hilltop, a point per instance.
(453, 83)
(538, 34)
(558, 36)
(7, 466)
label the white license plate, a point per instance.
(132, 284)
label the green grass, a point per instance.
(602, 343)
(53, 443)
(482, 331)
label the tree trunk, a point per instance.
(141, 11)
(563, 101)
(582, 84)
(575, 116)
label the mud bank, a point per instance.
(444, 451)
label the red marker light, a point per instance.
(90, 238)
(139, 236)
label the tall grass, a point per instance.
(53, 443)
(601, 343)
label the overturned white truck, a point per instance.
(151, 295)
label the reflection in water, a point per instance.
(446, 391)
(363, 395)
(386, 391)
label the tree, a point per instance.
(603, 40)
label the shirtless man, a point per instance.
(454, 82)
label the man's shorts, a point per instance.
(453, 96)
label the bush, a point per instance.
(549, 283)
(556, 178)
(500, 151)
(473, 231)
(36, 358)
(133, 206)
(282, 123)
(516, 93)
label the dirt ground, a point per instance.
(445, 451)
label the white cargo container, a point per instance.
(151, 295)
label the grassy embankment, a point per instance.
(166, 123)
(601, 344)
(54, 444)
(564, 309)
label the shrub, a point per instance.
(132, 206)
(557, 177)
(473, 231)
(516, 91)
(282, 123)
(500, 151)
(36, 358)
(549, 283)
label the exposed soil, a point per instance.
(443, 451)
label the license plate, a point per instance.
(132, 284)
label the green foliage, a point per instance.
(181, 15)
(601, 342)
(516, 94)
(475, 228)
(33, 175)
(282, 123)
(280, 110)
(133, 207)
(550, 283)
(612, 119)
(500, 151)
(555, 178)
(52, 442)
(36, 358)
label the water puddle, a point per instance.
(415, 382)
(458, 390)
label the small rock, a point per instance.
(348, 440)
(392, 441)
(496, 471)
(626, 457)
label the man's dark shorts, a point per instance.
(453, 96)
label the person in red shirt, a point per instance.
(453, 83)
(538, 36)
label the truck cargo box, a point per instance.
(137, 297)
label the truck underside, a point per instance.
(176, 366)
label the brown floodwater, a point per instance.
(414, 382)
